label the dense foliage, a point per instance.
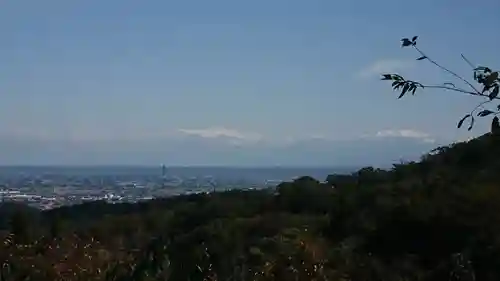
(437, 219)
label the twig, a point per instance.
(476, 91)
(467, 61)
(456, 90)
(479, 105)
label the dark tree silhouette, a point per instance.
(486, 85)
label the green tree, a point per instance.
(486, 86)
(20, 226)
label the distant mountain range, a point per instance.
(197, 151)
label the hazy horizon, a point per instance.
(199, 152)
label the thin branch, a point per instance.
(456, 90)
(477, 92)
(479, 105)
(467, 61)
(450, 88)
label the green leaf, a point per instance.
(495, 125)
(461, 122)
(397, 77)
(410, 87)
(485, 112)
(405, 89)
(422, 58)
(481, 68)
(400, 83)
(386, 77)
(255, 251)
(471, 123)
(414, 39)
(494, 93)
(491, 78)
(406, 42)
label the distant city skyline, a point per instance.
(49, 187)
(259, 83)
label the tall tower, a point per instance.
(163, 175)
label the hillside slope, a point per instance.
(432, 220)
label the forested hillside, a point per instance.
(438, 219)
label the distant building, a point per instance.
(163, 175)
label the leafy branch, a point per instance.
(488, 86)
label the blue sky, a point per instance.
(80, 78)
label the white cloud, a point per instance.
(402, 133)
(405, 133)
(385, 66)
(217, 132)
(429, 140)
